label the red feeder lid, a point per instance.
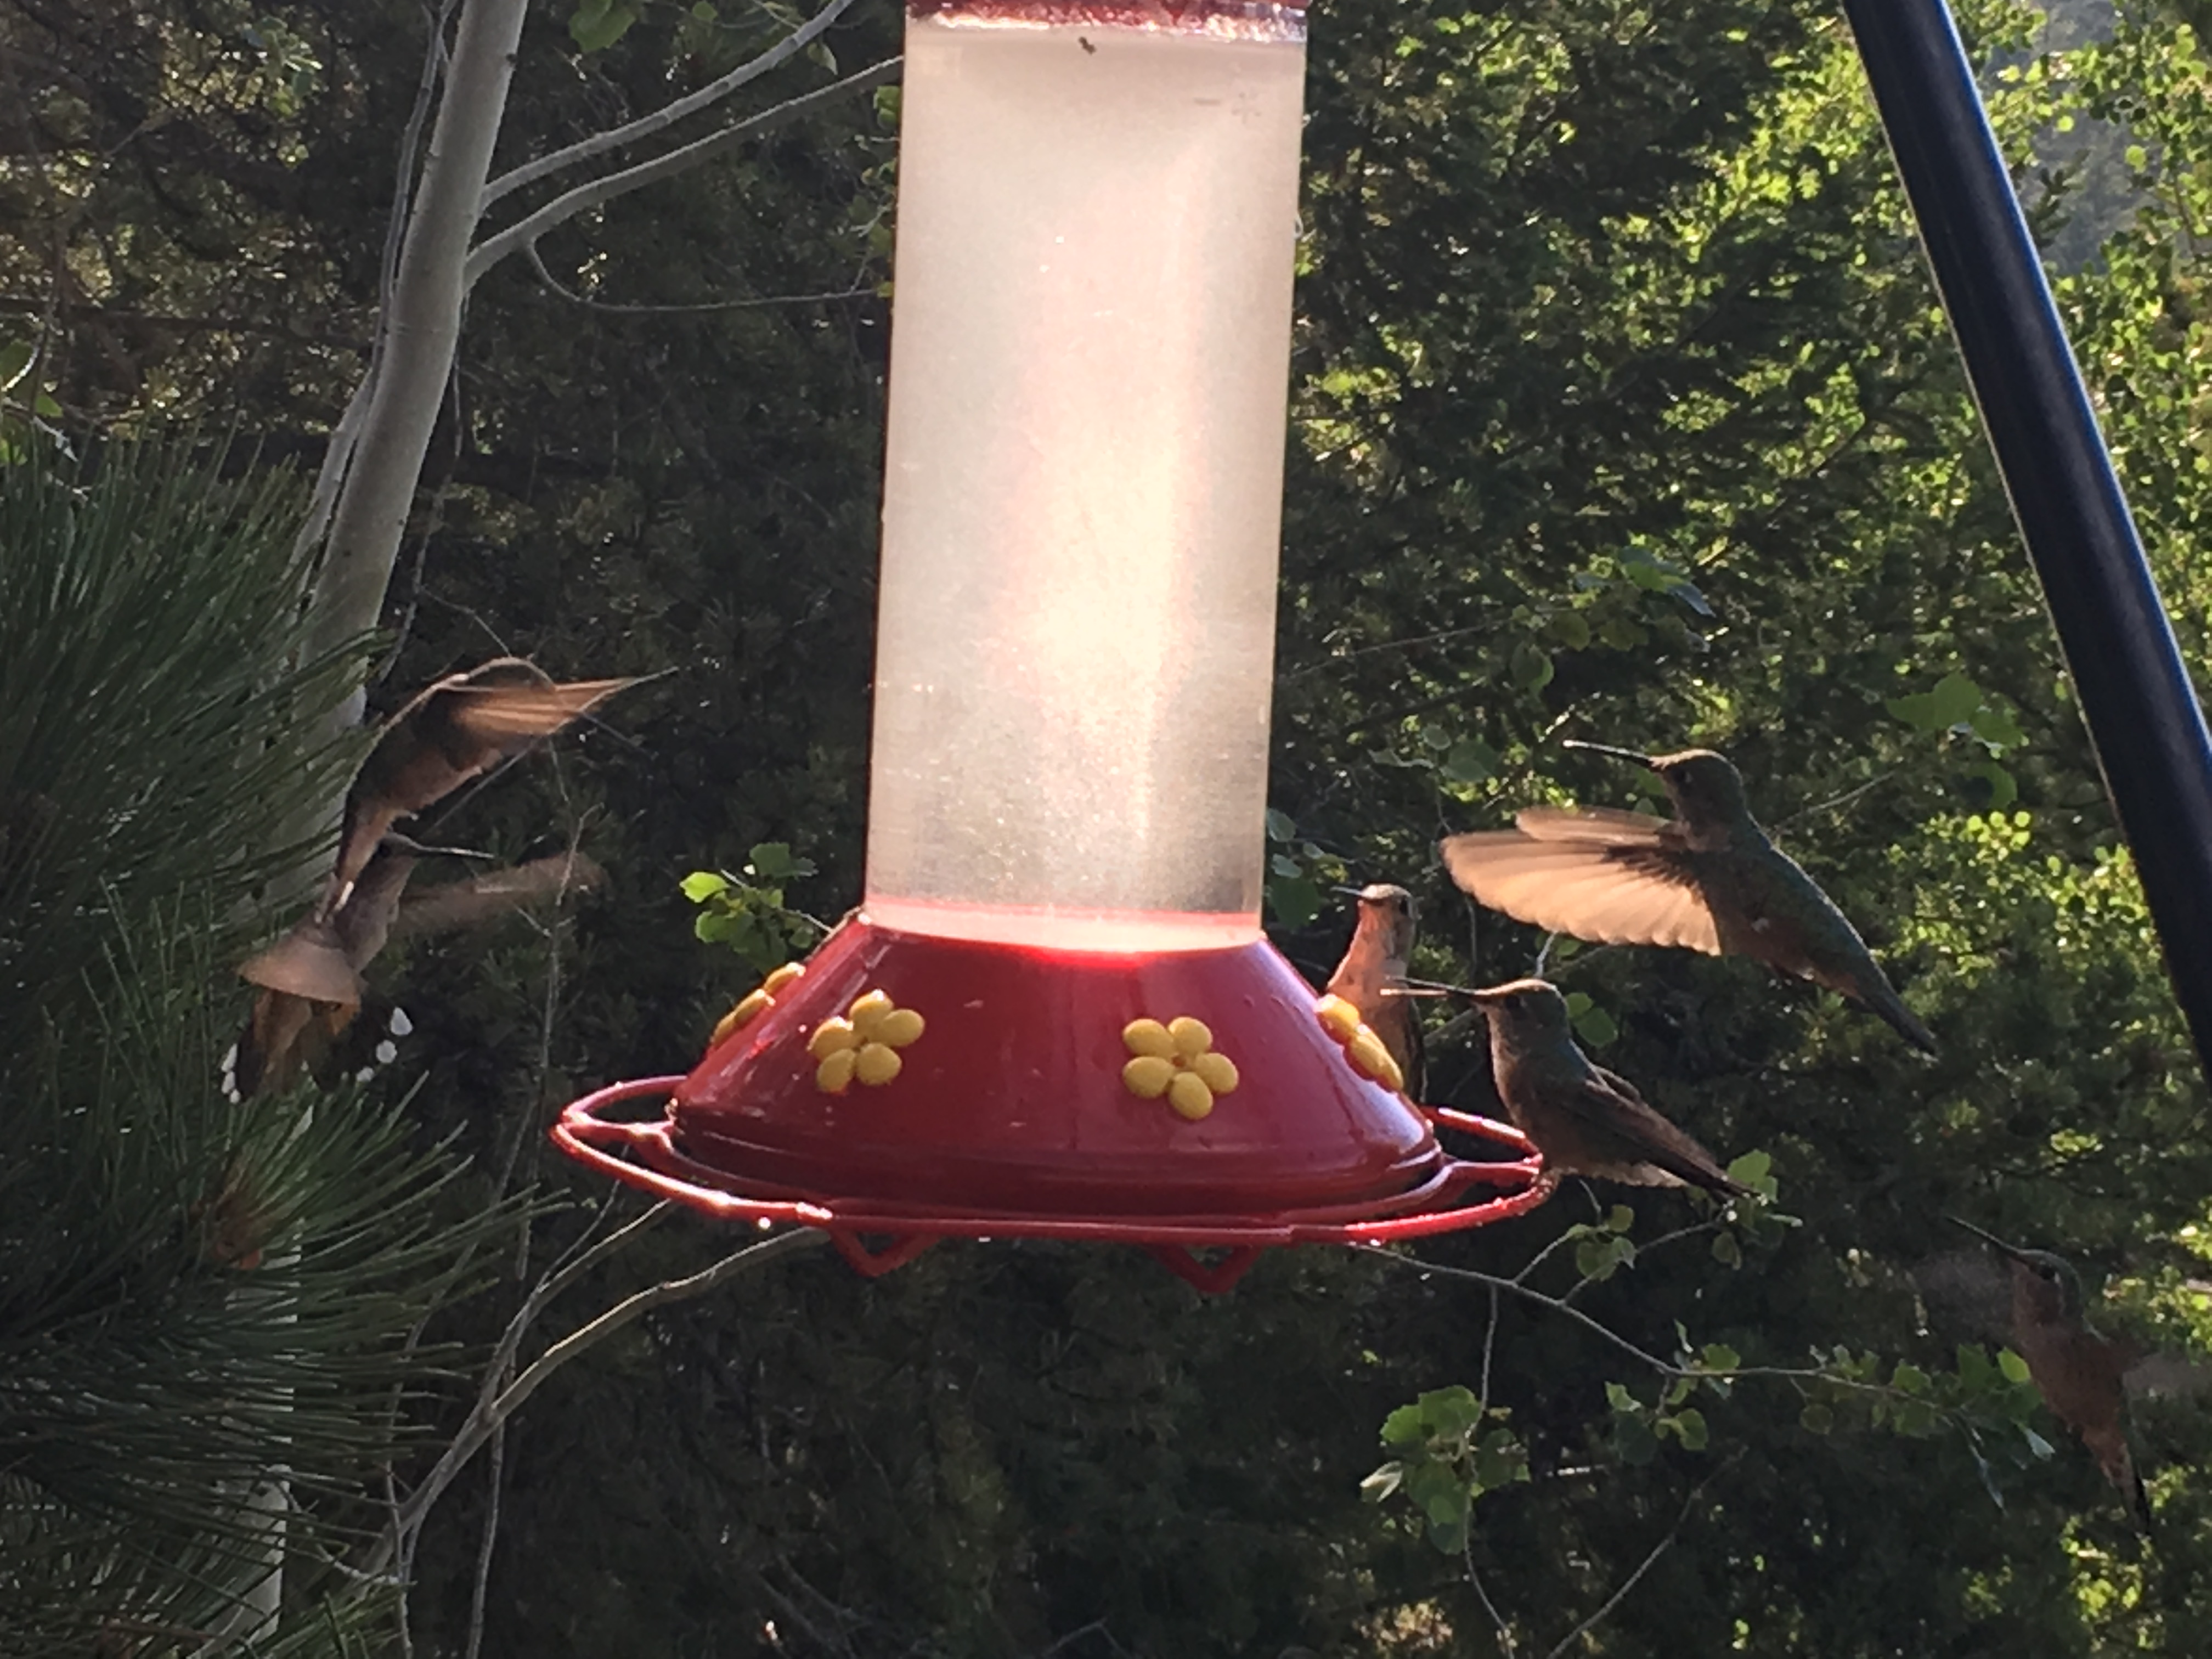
(919, 1086)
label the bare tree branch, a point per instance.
(646, 125)
(1629, 1583)
(495, 1404)
(552, 285)
(561, 209)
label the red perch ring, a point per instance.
(907, 1088)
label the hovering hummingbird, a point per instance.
(2084, 1377)
(1583, 1119)
(1708, 879)
(453, 730)
(1374, 965)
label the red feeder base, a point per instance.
(910, 1088)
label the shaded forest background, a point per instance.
(1622, 409)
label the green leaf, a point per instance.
(772, 860)
(1293, 902)
(1816, 1418)
(1751, 1169)
(1468, 760)
(1633, 1442)
(2014, 1367)
(2002, 788)
(1619, 1218)
(1954, 701)
(1407, 1426)
(702, 884)
(1530, 666)
(1500, 1460)
(598, 24)
(1570, 630)
(1690, 1429)
(15, 362)
(1595, 1027)
(1280, 827)
(1727, 1251)
(1719, 1357)
(1451, 1411)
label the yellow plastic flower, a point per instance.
(1370, 1055)
(1176, 1060)
(863, 1046)
(754, 1004)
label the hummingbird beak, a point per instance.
(1607, 749)
(1990, 1238)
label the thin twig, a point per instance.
(491, 1410)
(561, 209)
(1489, 1344)
(1843, 800)
(552, 285)
(668, 114)
(1649, 1561)
(1475, 1579)
(495, 1481)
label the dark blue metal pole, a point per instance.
(2141, 711)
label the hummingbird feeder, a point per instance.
(1055, 1015)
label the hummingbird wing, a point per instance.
(452, 731)
(1611, 877)
(2167, 1374)
(1966, 1290)
(487, 896)
(1623, 1138)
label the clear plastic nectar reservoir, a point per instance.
(1091, 318)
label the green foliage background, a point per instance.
(1622, 409)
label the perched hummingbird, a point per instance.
(2082, 1376)
(453, 730)
(1375, 964)
(1708, 879)
(1583, 1119)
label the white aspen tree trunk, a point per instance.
(421, 331)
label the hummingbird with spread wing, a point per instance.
(1708, 879)
(453, 730)
(1374, 966)
(1583, 1119)
(2085, 1377)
